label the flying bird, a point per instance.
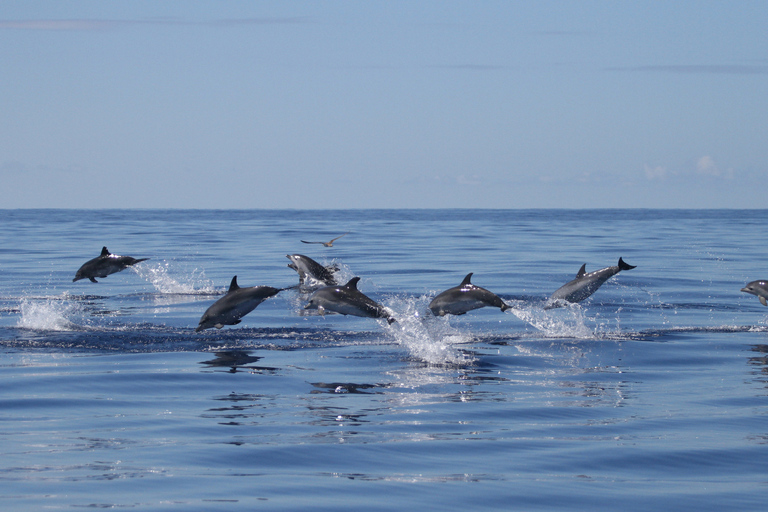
(326, 244)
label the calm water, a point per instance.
(651, 395)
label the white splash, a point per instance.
(159, 275)
(51, 314)
(426, 337)
(565, 322)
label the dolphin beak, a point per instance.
(745, 290)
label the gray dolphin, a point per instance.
(103, 265)
(233, 306)
(347, 300)
(585, 284)
(307, 267)
(465, 297)
(759, 288)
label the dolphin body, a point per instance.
(306, 267)
(232, 307)
(759, 288)
(465, 297)
(104, 265)
(347, 300)
(585, 284)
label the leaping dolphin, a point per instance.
(465, 297)
(232, 307)
(585, 284)
(347, 300)
(309, 268)
(759, 288)
(104, 265)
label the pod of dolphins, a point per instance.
(346, 299)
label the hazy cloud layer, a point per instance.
(376, 104)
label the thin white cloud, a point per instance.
(471, 67)
(56, 25)
(102, 24)
(710, 69)
(463, 179)
(655, 173)
(706, 166)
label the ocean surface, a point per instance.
(650, 395)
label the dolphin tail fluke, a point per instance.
(391, 320)
(139, 260)
(625, 266)
(505, 306)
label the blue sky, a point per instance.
(370, 104)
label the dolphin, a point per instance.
(759, 288)
(585, 284)
(233, 306)
(309, 268)
(347, 300)
(465, 297)
(104, 265)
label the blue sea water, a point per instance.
(650, 395)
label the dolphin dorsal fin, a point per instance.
(233, 285)
(466, 280)
(352, 283)
(582, 271)
(104, 251)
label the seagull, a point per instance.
(326, 244)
